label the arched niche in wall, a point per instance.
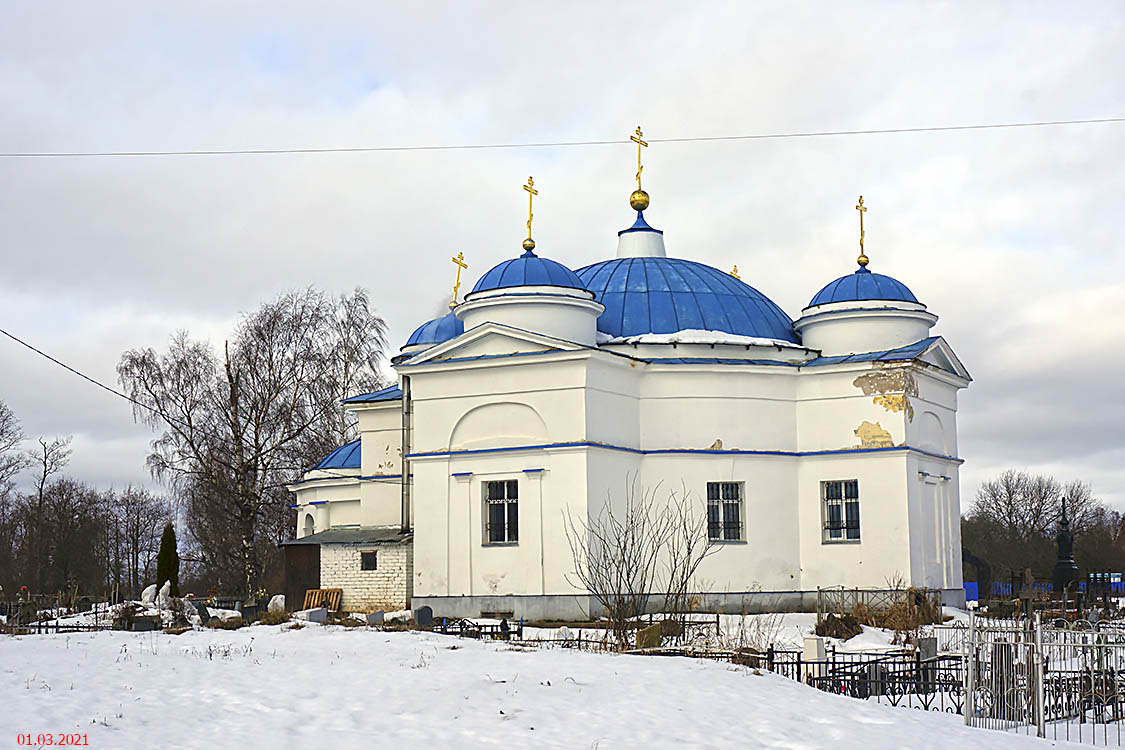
(931, 434)
(502, 425)
(310, 525)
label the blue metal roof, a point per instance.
(640, 225)
(390, 393)
(344, 457)
(447, 327)
(528, 270)
(863, 285)
(666, 295)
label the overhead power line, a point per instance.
(119, 394)
(546, 144)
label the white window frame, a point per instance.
(837, 531)
(511, 511)
(718, 531)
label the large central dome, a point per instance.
(665, 295)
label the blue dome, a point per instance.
(863, 285)
(447, 327)
(344, 457)
(528, 270)
(666, 295)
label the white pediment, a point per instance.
(491, 340)
(940, 354)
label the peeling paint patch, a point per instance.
(890, 389)
(872, 435)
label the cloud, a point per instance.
(1013, 237)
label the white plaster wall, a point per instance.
(451, 556)
(547, 311)
(684, 406)
(883, 551)
(935, 522)
(831, 408)
(367, 590)
(866, 331)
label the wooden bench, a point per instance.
(327, 598)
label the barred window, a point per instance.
(724, 511)
(841, 510)
(369, 560)
(501, 512)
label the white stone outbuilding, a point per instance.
(823, 451)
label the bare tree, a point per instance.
(616, 556)
(140, 515)
(239, 428)
(686, 547)
(12, 461)
(1025, 504)
(48, 460)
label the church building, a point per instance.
(822, 451)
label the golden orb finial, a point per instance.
(639, 200)
(529, 244)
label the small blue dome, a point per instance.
(528, 270)
(344, 457)
(666, 295)
(863, 285)
(447, 327)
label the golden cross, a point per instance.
(862, 210)
(637, 139)
(734, 273)
(460, 261)
(531, 193)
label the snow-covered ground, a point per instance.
(274, 687)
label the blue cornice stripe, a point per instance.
(701, 451)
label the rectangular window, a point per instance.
(368, 561)
(724, 511)
(501, 512)
(841, 510)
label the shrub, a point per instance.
(233, 623)
(274, 618)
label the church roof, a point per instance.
(863, 285)
(345, 457)
(447, 327)
(665, 295)
(390, 393)
(528, 270)
(354, 535)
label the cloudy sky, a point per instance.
(1016, 238)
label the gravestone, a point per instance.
(148, 596)
(649, 637)
(277, 604)
(317, 615)
(424, 616)
(374, 618)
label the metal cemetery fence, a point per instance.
(1059, 680)
(1053, 680)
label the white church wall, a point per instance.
(452, 556)
(883, 550)
(935, 523)
(835, 413)
(552, 391)
(766, 558)
(721, 407)
(612, 405)
(551, 311)
(380, 430)
(857, 332)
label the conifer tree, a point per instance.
(168, 560)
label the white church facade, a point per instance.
(822, 451)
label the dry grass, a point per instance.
(274, 618)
